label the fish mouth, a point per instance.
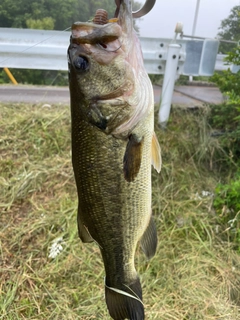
(103, 36)
(98, 43)
(102, 30)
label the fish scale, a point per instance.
(100, 179)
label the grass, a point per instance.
(195, 273)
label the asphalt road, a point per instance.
(189, 96)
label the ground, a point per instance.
(47, 273)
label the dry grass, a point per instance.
(194, 275)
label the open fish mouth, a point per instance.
(98, 43)
(103, 36)
(101, 30)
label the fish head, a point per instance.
(99, 53)
(106, 63)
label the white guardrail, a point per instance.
(47, 50)
(44, 49)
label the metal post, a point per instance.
(11, 77)
(194, 27)
(195, 18)
(168, 83)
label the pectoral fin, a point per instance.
(132, 158)
(156, 153)
(149, 240)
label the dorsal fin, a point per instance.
(156, 153)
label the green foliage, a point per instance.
(156, 78)
(37, 77)
(227, 206)
(41, 77)
(195, 275)
(3, 77)
(182, 80)
(228, 82)
(234, 56)
(225, 122)
(33, 13)
(230, 30)
(225, 119)
(46, 23)
(63, 13)
(228, 196)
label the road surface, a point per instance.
(190, 96)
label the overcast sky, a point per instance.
(161, 21)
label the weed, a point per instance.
(195, 273)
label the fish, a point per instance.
(113, 149)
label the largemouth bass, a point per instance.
(113, 147)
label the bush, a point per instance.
(228, 82)
(37, 77)
(225, 122)
(225, 119)
(227, 206)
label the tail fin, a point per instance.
(127, 303)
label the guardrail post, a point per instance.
(168, 83)
(10, 76)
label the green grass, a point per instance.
(195, 273)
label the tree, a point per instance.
(16, 14)
(228, 82)
(230, 30)
(60, 14)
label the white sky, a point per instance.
(161, 21)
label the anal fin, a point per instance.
(156, 153)
(132, 158)
(149, 240)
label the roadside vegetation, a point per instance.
(226, 120)
(45, 270)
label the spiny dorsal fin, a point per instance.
(149, 240)
(132, 158)
(156, 153)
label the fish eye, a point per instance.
(81, 63)
(103, 45)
